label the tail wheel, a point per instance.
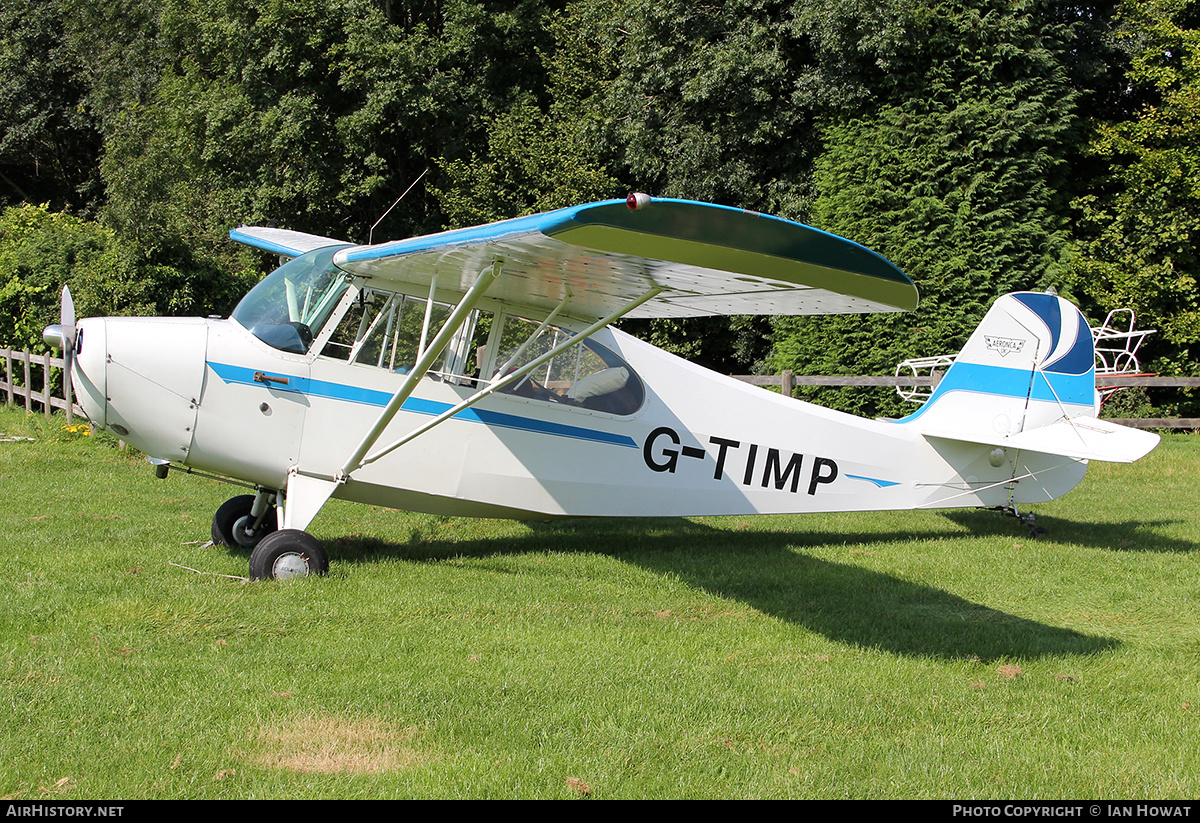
(288, 553)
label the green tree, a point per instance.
(531, 164)
(49, 141)
(1140, 229)
(310, 114)
(315, 114)
(674, 99)
(41, 251)
(704, 102)
(951, 165)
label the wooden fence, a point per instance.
(18, 364)
(22, 371)
(787, 382)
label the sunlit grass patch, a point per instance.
(891, 654)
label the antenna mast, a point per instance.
(371, 233)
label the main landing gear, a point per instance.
(251, 521)
(244, 520)
(287, 553)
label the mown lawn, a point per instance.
(916, 655)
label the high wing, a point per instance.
(698, 259)
(283, 242)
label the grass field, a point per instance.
(912, 655)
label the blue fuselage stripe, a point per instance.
(371, 397)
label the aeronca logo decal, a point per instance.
(748, 462)
(1003, 345)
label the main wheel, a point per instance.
(287, 553)
(231, 524)
(228, 513)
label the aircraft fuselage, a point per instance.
(209, 395)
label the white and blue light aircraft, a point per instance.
(476, 372)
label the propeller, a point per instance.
(63, 334)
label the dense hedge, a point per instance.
(982, 145)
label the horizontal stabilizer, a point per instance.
(1081, 438)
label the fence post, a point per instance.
(47, 402)
(785, 383)
(28, 380)
(8, 375)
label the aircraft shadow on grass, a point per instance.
(1123, 535)
(770, 572)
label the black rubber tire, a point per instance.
(288, 553)
(227, 514)
(233, 510)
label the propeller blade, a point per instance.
(66, 318)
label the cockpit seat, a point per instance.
(605, 381)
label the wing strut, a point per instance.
(516, 375)
(450, 328)
(307, 493)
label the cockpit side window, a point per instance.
(292, 303)
(586, 375)
(385, 330)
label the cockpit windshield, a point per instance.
(292, 303)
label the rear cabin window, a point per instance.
(586, 375)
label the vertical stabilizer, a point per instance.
(1028, 364)
(1027, 379)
